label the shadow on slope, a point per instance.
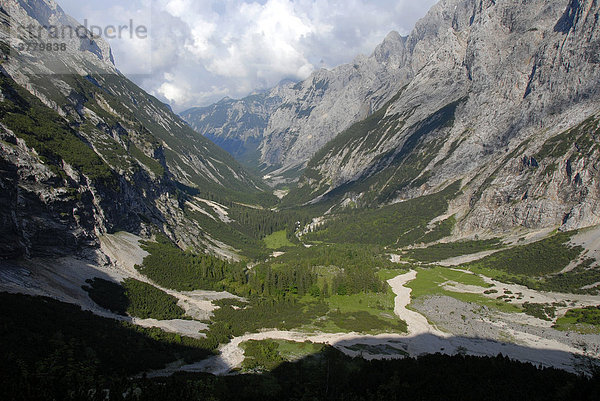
(331, 375)
(52, 350)
(55, 351)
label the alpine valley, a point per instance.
(422, 223)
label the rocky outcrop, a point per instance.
(316, 110)
(39, 216)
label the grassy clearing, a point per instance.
(291, 350)
(582, 320)
(371, 313)
(588, 315)
(277, 240)
(362, 312)
(374, 303)
(430, 282)
(361, 322)
(564, 324)
(388, 274)
(572, 321)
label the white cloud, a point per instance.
(268, 46)
(132, 50)
(172, 93)
(202, 50)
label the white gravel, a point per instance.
(62, 279)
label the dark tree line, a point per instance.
(259, 223)
(170, 267)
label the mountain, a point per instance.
(237, 126)
(84, 151)
(502, 96)
(440, 180)
(292, 122)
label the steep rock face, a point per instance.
(85, 151)
(39, 217)
(291, 122)
(317, 109)
(499, 96)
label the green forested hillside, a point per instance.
(399, 224)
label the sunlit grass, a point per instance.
(431, 282)
(277, 240)
(581, 320)
(371, 313)
(388, 274)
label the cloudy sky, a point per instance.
(198, 51)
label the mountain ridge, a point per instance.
(509, 100)
(154, 161)
(513, 78)
(441, 223)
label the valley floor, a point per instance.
(437, 323)
(488, 334)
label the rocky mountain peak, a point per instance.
(49, 15)
(393, 46)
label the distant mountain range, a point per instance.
(283, 128)
(502, 98)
